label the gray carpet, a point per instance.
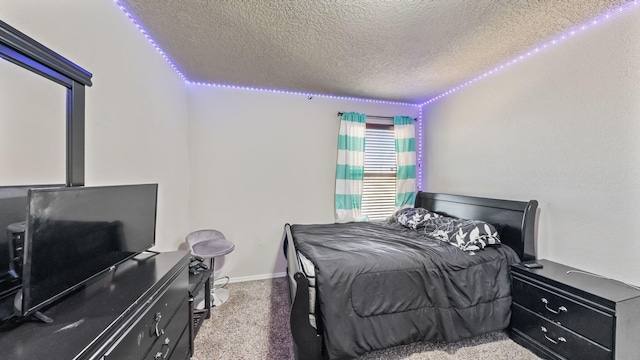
(253, 324)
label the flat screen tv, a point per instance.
(73, 234)
(13, 209)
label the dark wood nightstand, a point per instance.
(559, 312)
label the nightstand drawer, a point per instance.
(590, 323)
(556, 338)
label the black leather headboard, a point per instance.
(516, 219)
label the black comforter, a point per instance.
(382, 285)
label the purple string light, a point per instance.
(148, 37)
(573, 31)
(306, 94)
(419, 150)
(570, 33)
(235, 87)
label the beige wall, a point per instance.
(136, 111)
(260, 160)
(562, 127)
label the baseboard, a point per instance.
(257, 277)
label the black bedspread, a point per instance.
(383, 285)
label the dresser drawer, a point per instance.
(142, 335)
(182, 349)
(590, 323)
(178, 351)
(556, 338)
(168, 342)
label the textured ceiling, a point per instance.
(403, 50)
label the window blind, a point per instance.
(379, 185)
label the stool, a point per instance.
(210, 244)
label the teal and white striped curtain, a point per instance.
(405, 161)
(350, 167)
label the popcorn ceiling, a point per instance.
(406, 51)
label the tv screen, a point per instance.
(75, 233)
(13, 209)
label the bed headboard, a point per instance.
(516, 219)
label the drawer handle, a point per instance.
(560, 339)
(159, 332)
(560, 309)
(159, 354)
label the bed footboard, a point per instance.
(307, 343)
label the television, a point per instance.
(13, 209)
(73, 234)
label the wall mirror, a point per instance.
(32, 128)
(41, 113)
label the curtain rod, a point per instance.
(377, 117)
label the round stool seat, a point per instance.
(209, 243)
(213, 248)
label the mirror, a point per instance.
(32, 128)
(41, 102)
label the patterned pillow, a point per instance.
(468, 235)
(414, 217)
(475, 236)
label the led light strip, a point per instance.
(308, 95)
(235, 87)
(153, 43)
(565, 35)
(420, 176)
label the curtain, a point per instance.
(350, 167)
(405, 141)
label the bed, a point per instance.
(360, 287)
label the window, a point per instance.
(379, 185)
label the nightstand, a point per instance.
(559, 312)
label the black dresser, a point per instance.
(139, 310)
(559, 312)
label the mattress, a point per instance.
(383, 285)
(307, 266)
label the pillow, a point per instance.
(475, 235)
(468, 235)
(414, 217)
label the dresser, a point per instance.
(137, 310)
(560, 312)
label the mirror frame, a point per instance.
(27, 53)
